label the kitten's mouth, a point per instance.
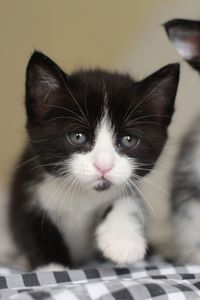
(103, 185)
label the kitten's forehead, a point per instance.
(104, 95)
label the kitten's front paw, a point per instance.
(50, 268)
(120, 245)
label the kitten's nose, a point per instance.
(104, 161)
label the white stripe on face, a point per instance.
(104, 152)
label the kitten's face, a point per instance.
(96, 128)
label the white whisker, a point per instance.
(143, 196)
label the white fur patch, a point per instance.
(185, 49)
(120, 236)
(50, 268)
(74, 212)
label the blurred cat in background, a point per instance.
(185, 191)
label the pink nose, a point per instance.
(103, 171)
(104, 161)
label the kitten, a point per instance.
(91, 136)
(185, 192)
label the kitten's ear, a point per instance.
(44, 86)
(158, 91)
(185, 35)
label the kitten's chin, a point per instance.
(102, 185)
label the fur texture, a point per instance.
(185, 192)
(92, 135)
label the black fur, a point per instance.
(35, 235)
(56, 104)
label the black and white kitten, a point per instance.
(185, 192)
(92, 135)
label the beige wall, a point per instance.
(74, 33)
(118, 34)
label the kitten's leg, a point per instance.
(37, 238)
(186, 232)
(50, 268)
(120, 236)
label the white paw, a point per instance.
(50, 268)
(121, 245)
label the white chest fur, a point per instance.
(74, 212)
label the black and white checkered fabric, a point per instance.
(154, 279)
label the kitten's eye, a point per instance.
(77, 138)
(129, 141)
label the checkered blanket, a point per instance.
(154, 279)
